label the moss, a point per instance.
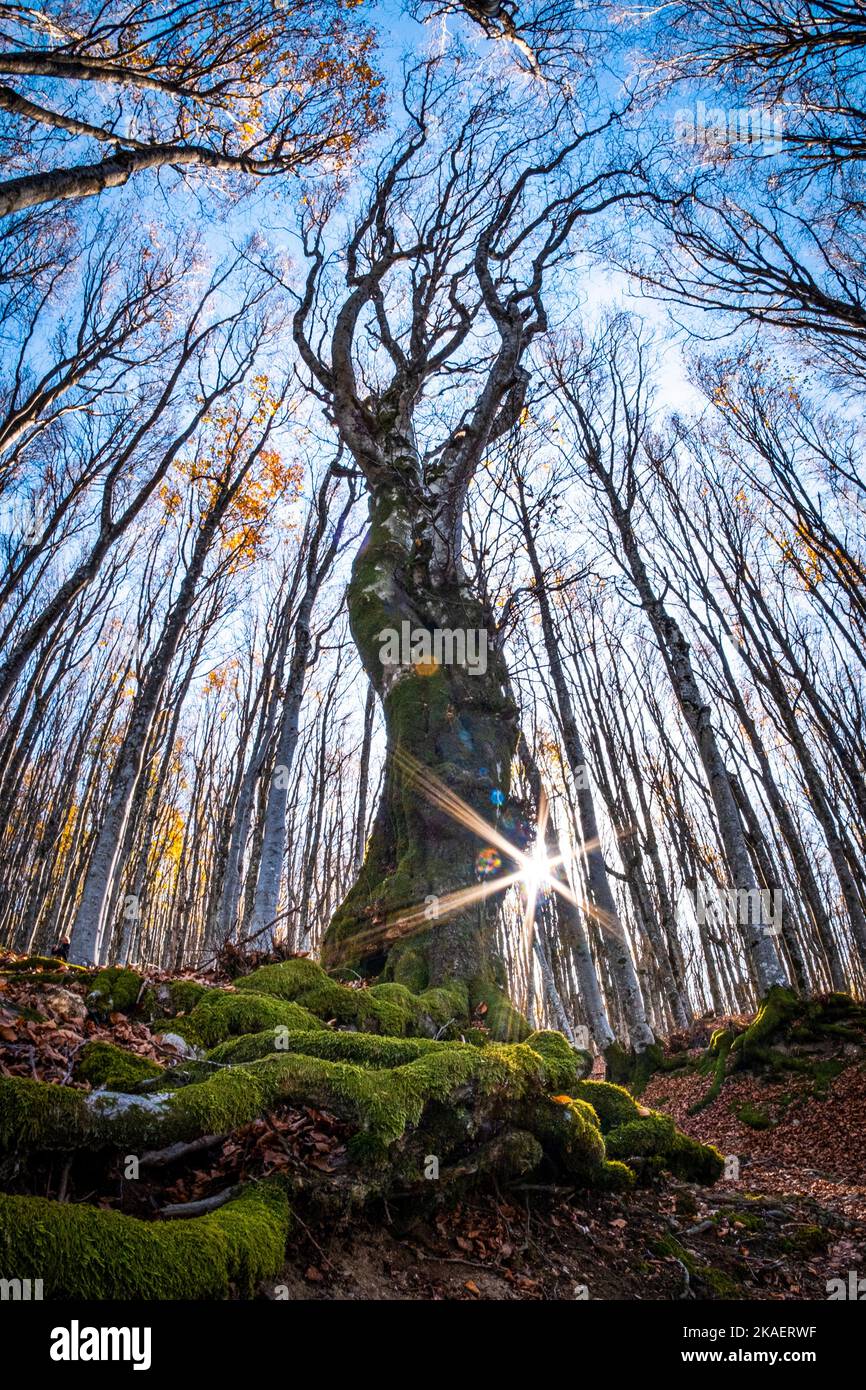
(616, 1177)
(749, 1220)
(114, 990)
(825, 1073)
(806, 1240)
(779, 1008)
(389, 1008)
(49, 977)
(613, 1104)
(38, 963)
(504, 1022)
(566, 1064)
(714, 1062)
(221, 1014)
(693, 1161)
(369, 1049)
(458, 1090)
(642, 1137)
(82, 1252)
(753, 1116)
(184, 995)
(570, 1128)
(723, 1285)
(409, 968)
(103, 1064)
(446, 1003)
(633, 1069)
(36, 1114)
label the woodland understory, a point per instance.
(433, 624)
(213, 1137)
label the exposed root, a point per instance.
(471, 1109)
(83, 1252)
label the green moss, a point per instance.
(220, 1014)
(633, 1069)
(749, 1220)
(570, 1128)
(566, 1064)
(825, 1073)
(83, 1252)
(692, 1161)
(408, 967)
(779, 1008)
(643, 1137)
(389, 1008)
(184, 995)
(616, 1177)
(113, 1068)
(613, 1104)
(715, 1062)
(721, 1284)
(504, 1022)
(37, 963)
(369, 1049)
(753, 1116)
(36, 1114)
(806, 1240)
(457, 1089)
(114, 990)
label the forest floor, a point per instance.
(794, 1218)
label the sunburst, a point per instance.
(535, 872)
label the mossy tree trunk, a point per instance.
(419, 355)
(456, 722)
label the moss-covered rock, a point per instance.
(613, 1104)
(114, 1068)
(221, 1014)
(183, 995)
(83, 1252)
(115, 990)
(645, 1137)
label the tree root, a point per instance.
(784, 1036)
(83, 1252)
(423, 1116)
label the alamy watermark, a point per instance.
(23, 520)
(20, 1290)
(718, 127)
(747, 907)
(426, 649)
(854, 1288)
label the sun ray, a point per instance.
(533, 870)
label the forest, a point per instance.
(433, 608)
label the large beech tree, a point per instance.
(417, 339)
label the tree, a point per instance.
(248, 90)
(597, 393)
(443, 286)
